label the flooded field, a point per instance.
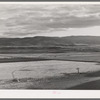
(42, 69)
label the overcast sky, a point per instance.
(26, 20)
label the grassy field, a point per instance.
(65, 82)
(89, 53)
(94, 85)
(48, 49)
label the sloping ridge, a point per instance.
(49, 41)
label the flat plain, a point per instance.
(48, 70)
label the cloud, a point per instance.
(20, 20)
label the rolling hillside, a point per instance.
(42, 44)
(50, 41)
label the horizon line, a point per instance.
(54, 36)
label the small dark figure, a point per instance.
(15, 80)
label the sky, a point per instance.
(28, 20)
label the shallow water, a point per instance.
(41, 69)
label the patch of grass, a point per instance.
(94, 85)
(93, 74)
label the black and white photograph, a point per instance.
(50, 46)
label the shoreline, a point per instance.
(26, 59)
(64, 82)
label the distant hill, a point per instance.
(50, 41)
(83, 39)
(41, 44)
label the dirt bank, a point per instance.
(62, 82)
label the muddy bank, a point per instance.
(64, 82)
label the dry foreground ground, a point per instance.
(73, 80)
